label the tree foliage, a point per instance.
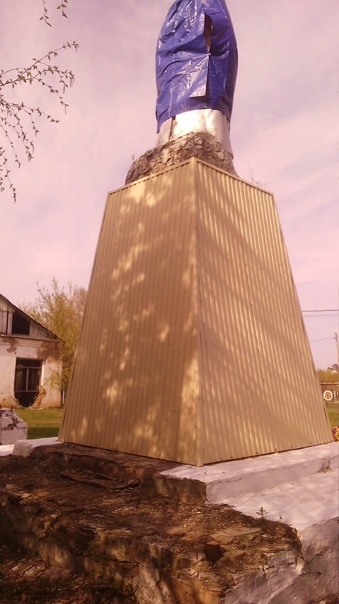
(328, 375)
(61, 311)
(19, 118)
(62, 7)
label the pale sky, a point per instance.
(284, 134)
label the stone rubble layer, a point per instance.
(202, 145)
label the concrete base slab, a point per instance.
(6, 450)
(23, 448)
(298, 487)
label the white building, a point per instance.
(29, 360)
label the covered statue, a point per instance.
(196, 70)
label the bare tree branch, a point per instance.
(19, 119)
(62, 7)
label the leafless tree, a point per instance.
(18, 119)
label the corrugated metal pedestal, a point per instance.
(193, 347)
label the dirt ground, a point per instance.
(75, 524)
(26, 578)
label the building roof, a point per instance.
(6, 305)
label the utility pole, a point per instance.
(337, 343)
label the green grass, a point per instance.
(333, 413)
(41, 423)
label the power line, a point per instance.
(322, 310)
(322, 340)
(319, 316)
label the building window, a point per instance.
(20, 325)
(27, 380)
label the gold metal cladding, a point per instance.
(193, 347)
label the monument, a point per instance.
(196, 70)
(193, 347)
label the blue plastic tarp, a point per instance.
(196, 59)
